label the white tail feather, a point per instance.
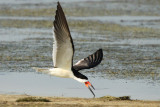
(43, 70)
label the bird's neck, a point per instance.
(80, 80)
(79, 75)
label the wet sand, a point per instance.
(10, 100)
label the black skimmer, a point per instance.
(63, 51)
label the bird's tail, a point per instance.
(42, 70)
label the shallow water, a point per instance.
(19, 34)
(32, 83)
(39, 1)
(140, 21)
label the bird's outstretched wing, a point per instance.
(63, 48)
(90, 61)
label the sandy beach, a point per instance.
(10, 100)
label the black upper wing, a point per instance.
(90, 61)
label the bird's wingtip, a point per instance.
(100, 49)
(58, 3)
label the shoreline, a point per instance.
(8, 100)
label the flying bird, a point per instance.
(63, 51)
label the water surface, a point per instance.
(32, 83)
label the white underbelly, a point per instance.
(61, 73)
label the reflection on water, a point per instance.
(32, 83)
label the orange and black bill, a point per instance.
(88, 84)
